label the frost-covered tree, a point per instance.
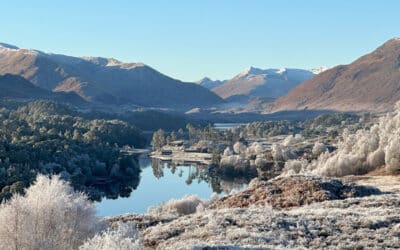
(158, 140)
(291, 140)
(255, 149)
(318, 148)
(362, 151)
(49, 216)
(281, 153)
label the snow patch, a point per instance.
(319, 70)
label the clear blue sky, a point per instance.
(189, 39)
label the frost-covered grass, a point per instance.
(371, 223)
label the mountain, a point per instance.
(210, 84)
(267, 84)
(14, 86)
(103, 80)
(319, 70)
(372, 82)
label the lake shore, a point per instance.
(326, 223)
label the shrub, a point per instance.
(318, 148)
(184, 206)
(123, 237)
(49, 216)
(361, 152)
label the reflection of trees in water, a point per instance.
(199, 173)
(157, 167)
(120, 185)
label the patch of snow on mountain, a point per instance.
(319, 70)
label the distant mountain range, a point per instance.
(210, 84)
(17, 87)
(103, 80)
(267, 84)
(372, 82)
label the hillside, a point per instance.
(103, 80)
(372, 82)
(13, 86)
(268, 84)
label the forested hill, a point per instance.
(46, 137)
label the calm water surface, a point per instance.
(224, 126)
(161, 184)
(170, 183)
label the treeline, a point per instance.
(49, 138)
(193, 134)
(149, 120)
(328, 124)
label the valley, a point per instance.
(98, 153)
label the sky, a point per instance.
(189, 40)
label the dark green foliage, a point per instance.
(149, 120)
(329, 124)
(45, 137)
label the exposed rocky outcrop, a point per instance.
(293, 191)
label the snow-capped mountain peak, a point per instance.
(319, 70)
(250, 71)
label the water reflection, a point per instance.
(162, 181)
(200, 173)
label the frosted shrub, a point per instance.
(260, 162)
(184, 206)
(228, 151)
(49, 216)
(123, 237)
(363, 151)
(318, 148)
(236, 161)
(291, 140)
(255, 148)
(392, 155)
(281, 153)
(296, 166)
(239, 148)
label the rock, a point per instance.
(293, 191)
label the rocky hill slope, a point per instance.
(268, 84)
(103, 80)
(372, 82)
(14, 86)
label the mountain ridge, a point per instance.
(370, 83)
(103, 80)
(255, 82)
(14, 86)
